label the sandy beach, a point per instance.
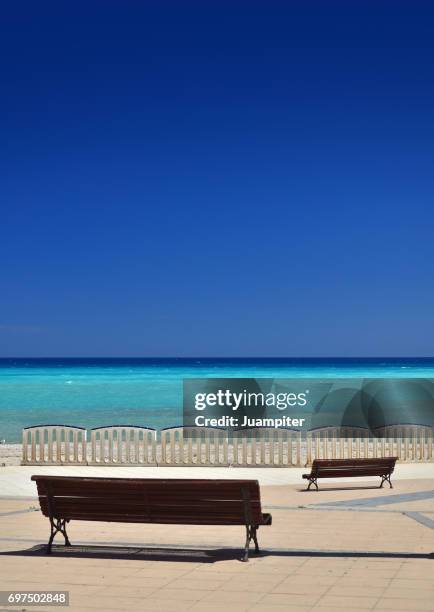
(10, 454)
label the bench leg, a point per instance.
(255, 538)
(386, 478)
(250, 535)
(311, 482)
(57, 526)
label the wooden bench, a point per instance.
(339, 468)
(151, 500)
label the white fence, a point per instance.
(407, 442)
(199, 446)
(191, 446)
(267, 447)
(122, 445)
(55, 445)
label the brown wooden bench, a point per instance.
(151, 500)
(339, 468)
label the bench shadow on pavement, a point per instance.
(197, 555)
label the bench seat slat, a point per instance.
(154, 512)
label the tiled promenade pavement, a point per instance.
(347, 547)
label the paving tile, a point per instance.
(126, 592)
(201, 574)
(289, 600)
(207, 606)
(278, 568)
(250, 585)
(409, 594)
(301, 579)
(320, 571)
(348, 603)
(367, 573)
(231, 597)
(202, 584)
(293, 588)
(225, 567)
(108, 603)
(366, 581)
(356, 591)
(179, 594)
(81, 609)
(144, 582)
(393, 603)
(161, 572)
(165, 605)
(278, 608)
(321, 608)
(378, 563)
(413, 584)
(418, 572)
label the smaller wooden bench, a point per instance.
(151, 500)
(340, 468)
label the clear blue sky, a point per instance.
(217, 178)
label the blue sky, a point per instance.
(217, 179)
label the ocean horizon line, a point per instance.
(225, 358)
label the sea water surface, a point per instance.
(148, 392)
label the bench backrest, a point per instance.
(354, 467)
(150, 500)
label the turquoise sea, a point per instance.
(95, 392)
